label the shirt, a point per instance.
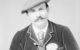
(36, 30)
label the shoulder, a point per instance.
(21, 33)
(64, 30)
(60, 27)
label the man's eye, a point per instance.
(41, 9)
(31, 10)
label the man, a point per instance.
(42, 34)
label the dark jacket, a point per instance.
(61, 35)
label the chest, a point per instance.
(55, 40)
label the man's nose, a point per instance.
(38, 13)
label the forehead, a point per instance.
(43, 5)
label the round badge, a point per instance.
(52, 46)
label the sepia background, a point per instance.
(65, 12)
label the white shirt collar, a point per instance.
(36, 30)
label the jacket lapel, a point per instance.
(48, 33)
(32, 34)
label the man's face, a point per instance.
(38, 13)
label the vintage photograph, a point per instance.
(40, 25)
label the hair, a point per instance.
(45, 4)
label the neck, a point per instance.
(42, 24)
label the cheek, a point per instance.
(32, 16)
(44, 13)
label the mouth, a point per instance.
(40, 18)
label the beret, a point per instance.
(31, 3)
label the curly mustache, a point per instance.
(39, 18)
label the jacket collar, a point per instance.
(48, 33)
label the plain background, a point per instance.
(65, 12)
